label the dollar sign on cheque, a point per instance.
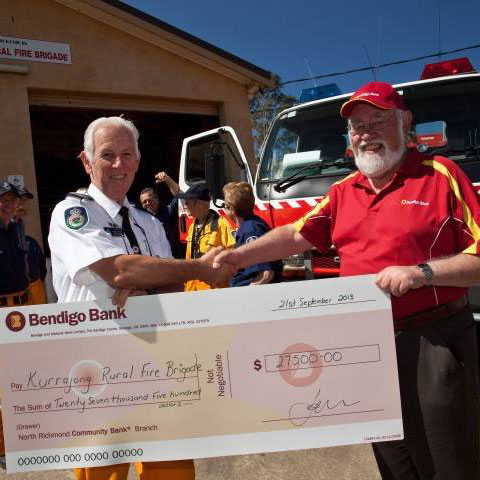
(257, 365)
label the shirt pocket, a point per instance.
(208, 242)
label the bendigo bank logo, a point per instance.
(15, 321)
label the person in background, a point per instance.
(13, 268)
(149, 200)
(37, 265)
(13, 265)
(167, 214)
(207, 231)
(239, 204)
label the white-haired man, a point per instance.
(414, 221)
(91, 234)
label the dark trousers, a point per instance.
(438, 374)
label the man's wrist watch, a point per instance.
(428, 272)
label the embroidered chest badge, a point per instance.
(76, 217)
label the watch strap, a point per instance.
(428, 272)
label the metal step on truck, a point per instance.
(307, 150)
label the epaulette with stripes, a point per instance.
(80, 196)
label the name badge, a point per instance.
(114, 231)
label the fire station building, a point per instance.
(64, 63)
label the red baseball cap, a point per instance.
(378, 94)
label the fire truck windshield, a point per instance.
(447, 122)
(304, 137)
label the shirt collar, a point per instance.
(412, 162)
(109, 205)
(361, 179)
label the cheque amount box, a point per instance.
(317, 359)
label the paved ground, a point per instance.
(340, 463)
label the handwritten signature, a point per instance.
(300, 413)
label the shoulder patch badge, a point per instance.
(76, 217)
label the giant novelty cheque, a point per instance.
(220, 372)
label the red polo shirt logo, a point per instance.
(415, 202)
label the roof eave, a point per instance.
(161, 34)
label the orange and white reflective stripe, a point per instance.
(288, 203)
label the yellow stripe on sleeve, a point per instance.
(299, 224)
(467, 214)
(351, 175)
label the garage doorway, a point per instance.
(57, 136)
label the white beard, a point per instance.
(374, 165)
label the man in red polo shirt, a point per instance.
(414, 221)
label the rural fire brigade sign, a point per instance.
(34, 50)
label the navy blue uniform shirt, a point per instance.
(13, 271)
(168, 215)
(37, 265)
(251, 228)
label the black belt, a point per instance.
(428, 316)
(21, 299)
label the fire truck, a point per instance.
(307, 150)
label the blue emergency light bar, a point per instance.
(322, 91)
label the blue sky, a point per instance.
(332, 35)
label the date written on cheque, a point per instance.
(309, 302)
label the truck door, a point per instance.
(216, 157)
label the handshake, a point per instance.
(219, 264)
(140, 273)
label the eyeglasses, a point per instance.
(377, 123)
(227, 206)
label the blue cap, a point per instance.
(6, 187)
(199, 191)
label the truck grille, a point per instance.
(326, 262)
